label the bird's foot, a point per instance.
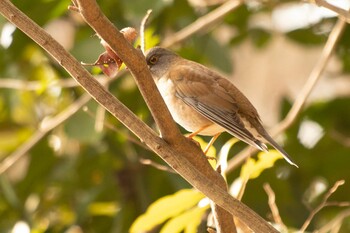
(210, 158)
(194, 141)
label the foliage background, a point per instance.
(80, 179)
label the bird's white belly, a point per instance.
(183, 114)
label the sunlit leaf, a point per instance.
(253, 168)
(151, 38)
(187, 222)
(165, 208)
(11, 139)
(103, 208)
(66, 215)
(23, 111)
(211, 154)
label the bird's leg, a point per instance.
(197, 131)
(211, 142)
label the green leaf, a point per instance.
(188, 221)
(206, 50)
(253, 168)
(81, 126)
(12, 139)
(343, 49)
(260, 37)
(218, 55)
(165, 208)
(238, 39)
(306, 36)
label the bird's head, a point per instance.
(159, 61)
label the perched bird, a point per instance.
(205, 103)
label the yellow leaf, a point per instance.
(253, 168)
(165, 208)
(103, 208)
(188, 221)
(211, 152)
(150, 38)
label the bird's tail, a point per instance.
(272, 142)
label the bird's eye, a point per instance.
(153, 60)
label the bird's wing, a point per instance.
(204, 92)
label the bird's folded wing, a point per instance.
(215, 104)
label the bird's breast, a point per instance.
(183, 114)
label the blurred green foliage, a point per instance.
(78, 176)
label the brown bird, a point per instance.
(205, 103)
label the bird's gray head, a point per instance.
(159, 61)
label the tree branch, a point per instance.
(181, 154)
(335, 223)
(321, 205)
(341, 12)
(274, 209)
(142, 30)
(203, 22)
(26, 85)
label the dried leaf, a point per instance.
(109, 61)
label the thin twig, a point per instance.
(202, 23)
(274, 209)
(340, 138)
(336, 222)
(100, 118)
(74, 7)
(341, 12)
(157, 165)
(242, 188)
(338, 204)
(35, 85)
(314, 77)
(321, 205)
(142, 31)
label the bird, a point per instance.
(205, 103)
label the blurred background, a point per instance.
(75, 168)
